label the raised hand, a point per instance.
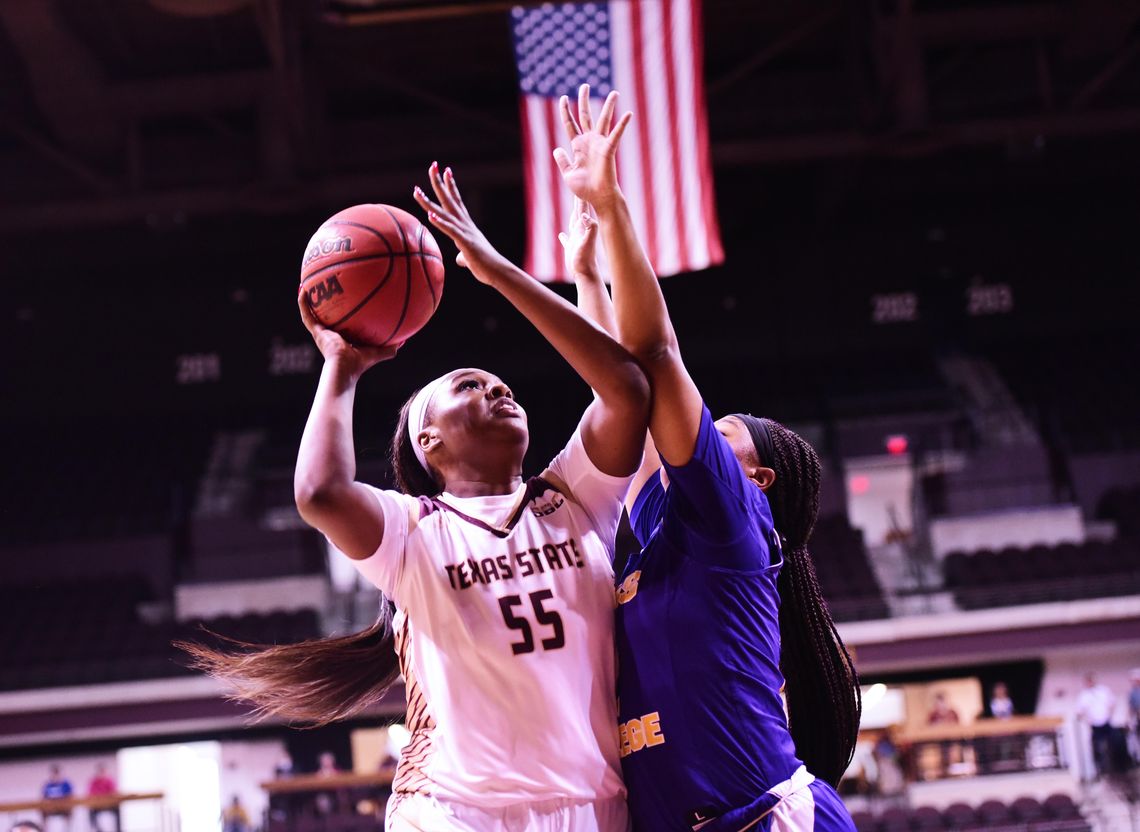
(579, 244)
(451, 217)
(589, 169)
(356, 358)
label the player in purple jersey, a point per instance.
(721, 608)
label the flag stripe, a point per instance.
(530, 197)
(542, 213)
(657, 117)
(557, 190)
(629, 154)
(690, 166)
(712, 228)
(646, 180)
(678, 229)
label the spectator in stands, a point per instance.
(890, 784)
(1001, 706)
(102, 785)
(57, 787)
(941, 713)
(325, 802)
(234, 817)
(284, 767)
(326, 764)
(1133, 730)
(1134, 700)
(1095, 705)
(26, 826)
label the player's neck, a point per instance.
(483, 486)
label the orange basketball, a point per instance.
(373, 273)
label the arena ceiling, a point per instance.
(150, 110)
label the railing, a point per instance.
(342, 802)
(988, 746)
(47, 807)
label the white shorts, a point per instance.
(420, 813)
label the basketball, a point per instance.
(373, 273)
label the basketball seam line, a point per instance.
(423, 268)
(377, 287)
(407, 276)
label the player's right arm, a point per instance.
(324, 483)
(644, 326)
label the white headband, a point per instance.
(417, 414)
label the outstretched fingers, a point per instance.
(606, 116)
(572, 128)
(619, 128)
(562, 159)
(437, 215)
(442, 192)
(585, 119)
(453, 191)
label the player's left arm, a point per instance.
(614, 425)
(579, 245)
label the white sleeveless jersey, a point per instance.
(504, 629)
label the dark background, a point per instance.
(162, 172)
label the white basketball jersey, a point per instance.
(504, 629)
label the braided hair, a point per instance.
(321, 680)
(820, 682)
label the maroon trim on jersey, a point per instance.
(535, 488)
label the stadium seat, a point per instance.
(1027, 809)
(1067, 571)
(993, 813)
(1061, 807)
(959, 816)
(894, 819)
(927, 819)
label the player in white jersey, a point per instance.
(503, 587)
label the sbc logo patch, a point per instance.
(628, 587)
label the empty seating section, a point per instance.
(1040, 574)
(1085, 394)
(87, 632)
(96, 482)
(1057, 813)
(844, 571)
(812, 390)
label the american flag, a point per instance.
(651, 52)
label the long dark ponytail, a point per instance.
(821, 685)
(320, 680)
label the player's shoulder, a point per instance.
(549, 495)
